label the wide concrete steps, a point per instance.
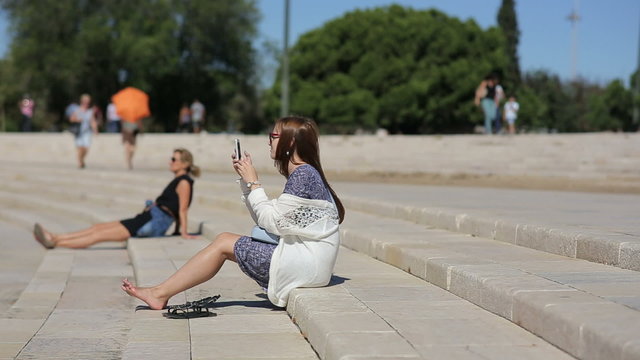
(370, 310)
(566, 234)
(68, 309)
(246, 325)
(589, 310)
(619, 246)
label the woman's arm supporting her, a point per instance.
(184, 190)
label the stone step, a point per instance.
(618, 246)
(25, 318)
(598, 244)
(246, 325)
(76, 210)
(18, 263)
(590, 310)
(372, 310)
(90, 318)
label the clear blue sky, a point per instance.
(607, 32)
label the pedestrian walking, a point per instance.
(113, 119)
(487, 97)
(184, 119)
(27, 107)
(86, 126)
(197, 115)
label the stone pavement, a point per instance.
(436, 296)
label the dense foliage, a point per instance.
(405, 70)
(176, 50)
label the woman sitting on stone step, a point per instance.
(304, 219)
(155, 220)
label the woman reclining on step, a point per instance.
(305, 217)
(156, 218)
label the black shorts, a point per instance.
(134, 224)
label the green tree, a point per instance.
(611, 109)
(176, 50)
(406, 70)
(508, 23)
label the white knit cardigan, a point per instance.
(309, 240)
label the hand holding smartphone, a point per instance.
(237, 150)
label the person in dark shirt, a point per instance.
(172, 205)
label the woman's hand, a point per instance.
(186, 235)
(244, 168)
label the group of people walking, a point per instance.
(489, 96)
(304, 220)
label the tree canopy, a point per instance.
(406, 70)
(176, 50)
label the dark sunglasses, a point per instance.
(273, 136)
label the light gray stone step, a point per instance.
(376, 311)
(76, 210)
(24, 319)
(587, 309)
(246, 325)
(601, 246)
(19, 260)
(363, 314)
(91, 319)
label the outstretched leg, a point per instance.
(200, 268)
(111, 231)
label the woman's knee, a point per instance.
(224, 242)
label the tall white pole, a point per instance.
(574, 17)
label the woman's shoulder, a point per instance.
(306, 182)
(304, 173)
(178, 179)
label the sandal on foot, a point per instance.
(38, 233)
(190, 310)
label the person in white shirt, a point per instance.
(197, 115)
(113, 119)
(511, 108)
(305, 220)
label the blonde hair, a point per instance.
(187, 157)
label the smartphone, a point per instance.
(236, 149)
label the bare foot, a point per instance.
(144, 294)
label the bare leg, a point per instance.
(129, 149)
(82, 153)
(201, 267)
(81, 233)
(112, 231)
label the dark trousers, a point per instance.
(25, 124)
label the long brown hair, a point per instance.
(300, 135)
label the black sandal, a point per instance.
(192, 309)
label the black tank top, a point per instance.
(491, 92)
(169, 198)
